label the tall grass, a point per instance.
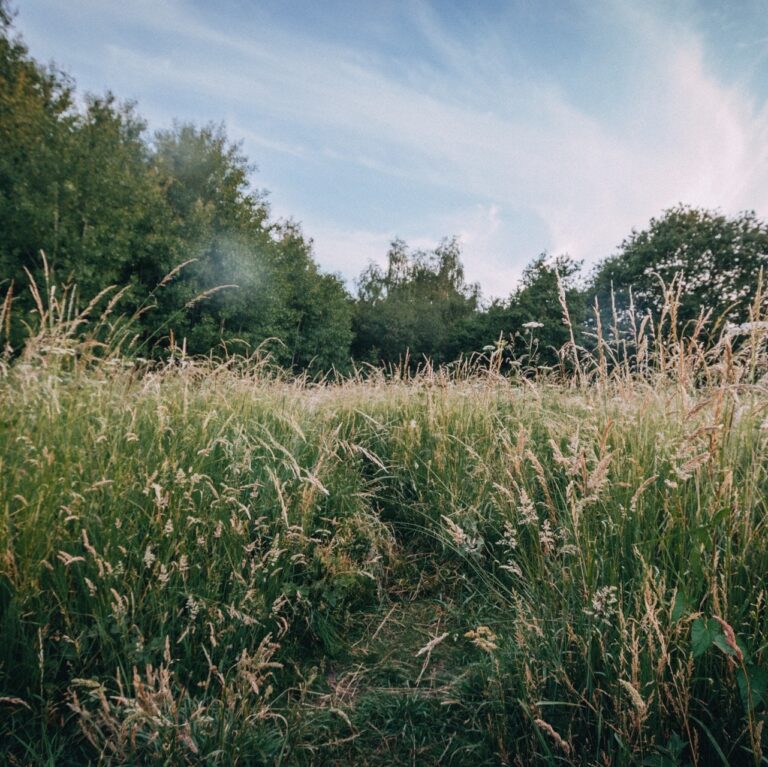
(209, 563)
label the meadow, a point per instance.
(211, 562)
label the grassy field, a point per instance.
(210, 564)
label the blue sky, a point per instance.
(518, 126)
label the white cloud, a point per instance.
(348, 251)
(481, 230)
(478, 125)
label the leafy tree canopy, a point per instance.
(718, 257)
(529, 323)
(415, 305)
(110, 205)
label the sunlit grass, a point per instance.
(206, 563)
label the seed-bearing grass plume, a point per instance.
(212, 562)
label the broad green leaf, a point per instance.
(703, 634)
(753, 686)
(721, 643)
(680, 607)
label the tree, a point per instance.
(74, 184)
(275, 289)
(718, 258)
(415, 306)
(530, 323)
(5, 15)
(35, 119)
(112, 220)
(218, 225)
(110, 207)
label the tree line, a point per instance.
(172, 217)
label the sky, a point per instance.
(519, 127)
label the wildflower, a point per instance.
(604, 604)
(163, 575)
(119, 606)
(640, 490)
(686, 471)
(746, 327)
(533, 325)
(730, 638)
(509, 539)
(193, 607)
(634, 696)
(168, 529)
(68, 559)
(149, 557)
(161, 497)
(91, 587)
(512, 567)
(556, 737)
(461, 539)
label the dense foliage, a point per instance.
(528, 326)
(110, 205)
(172, 219)
(416, 305)
(711, 262)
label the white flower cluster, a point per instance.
(604, 604)
(149, 557)
(745, 328)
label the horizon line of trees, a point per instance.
(111, 204)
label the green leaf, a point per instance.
(722, 643)
(680, 607)
(703, 634)
(753, 686)
(744, 649)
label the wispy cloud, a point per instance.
(474, 119)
